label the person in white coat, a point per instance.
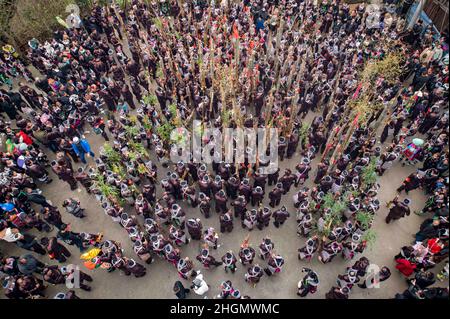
(200, 286)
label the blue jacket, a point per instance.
(259, 24)
(85, 147)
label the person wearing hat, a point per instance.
(206, 259)
(257, 196)
(287, 180)
(326, 183)
(249, 220)
(217, 184)
(322, 169)
(142, 206)
(307, 252)
(239, 207)
(204, 185)
(263, 217)
(65, 172)
(300, 196)
(226, 289)
(292, 144)
(204, 204)
(224, 171)
(231, 186)
(113, 211)
(84, 179)
(226, 222)
(229, 261)
(178, 236)
(221, 202)
(185, 268)
(162, 214)
(149, 192)
(174, 179)
(305, 224)
(352, 247)
(274, 264)
(309, 283)
(280, 216)
(349, 279)
(143, 250)
(246, 254)
(245, 189)
(275, 195)
(259, 180)
(189, 194)
(178, 216)
(134, 268)
(254, 274)
(151, 227)
(398, 210)
(329, 251)
(128, 221)
(210, 237)
(167, 186)
(265, 248)
(81, 147)
(303, 169)
(385, 162)
(194, 228)
(158, 242)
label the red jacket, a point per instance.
(433, 246)
(26, 139)
(405, 267)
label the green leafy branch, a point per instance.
(150, 99)
(370, 237)
(112, 155)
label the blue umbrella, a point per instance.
(7, 207)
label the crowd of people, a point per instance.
(132, 76)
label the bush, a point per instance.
(21, 20)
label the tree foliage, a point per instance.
(21, 20)
(369, 175)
